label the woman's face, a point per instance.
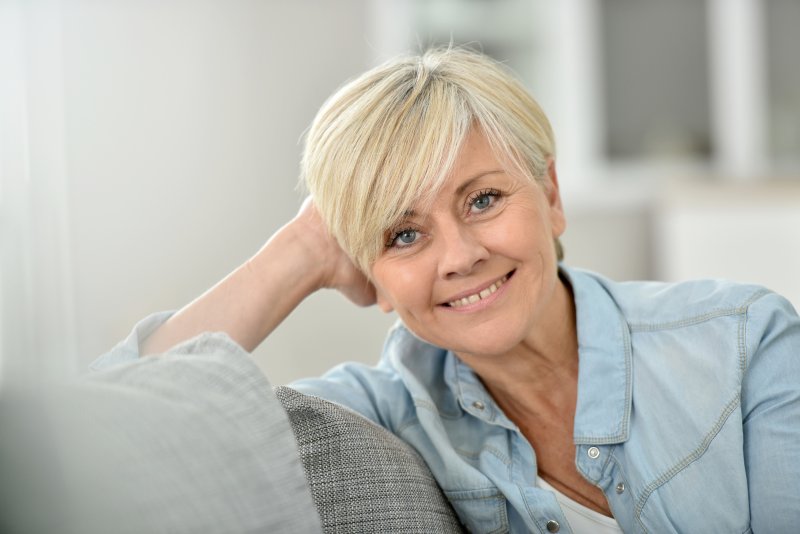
(476, 273)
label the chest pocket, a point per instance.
(482, 510)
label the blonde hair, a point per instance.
(387, 140)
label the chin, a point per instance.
(491, 343)
(493, 336)
(487, 349)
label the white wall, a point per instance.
(737, 231)
(183, 126)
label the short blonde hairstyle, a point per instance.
(387, 140)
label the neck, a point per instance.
(542, 368)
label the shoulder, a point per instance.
(649, 304)
(771, 340)
(414, 358)
(410, 372)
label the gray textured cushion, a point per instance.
(362, 477)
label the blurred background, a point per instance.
(147, 148)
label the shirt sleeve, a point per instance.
(361, 388)
(128, 350)
(377, 393)
(771, 414)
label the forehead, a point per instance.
(475, 152)
(476, 161)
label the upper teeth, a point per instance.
(471, 299)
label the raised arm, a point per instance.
(249, 303)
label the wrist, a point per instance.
(295, 254)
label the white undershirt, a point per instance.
(581, 519)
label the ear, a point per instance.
(382, 301)
(551, 191)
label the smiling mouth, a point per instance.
(475, 297)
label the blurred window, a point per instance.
(656, 80)
(782, 18)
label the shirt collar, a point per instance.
(603, 409)
(602, 415)
(471, 394)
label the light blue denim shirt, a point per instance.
(688, 412)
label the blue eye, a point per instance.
(407, 236)
(404, 238)
(483, 200)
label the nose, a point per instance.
(461, 250)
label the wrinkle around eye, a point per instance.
(496, 198)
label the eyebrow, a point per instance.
(461, 188)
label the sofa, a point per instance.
(362, 477)
(199, 441)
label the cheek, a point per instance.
(515, 238)
(532, 233)
(402, 285)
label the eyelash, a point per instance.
(395, 234)
(473, 198)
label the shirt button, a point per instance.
(553, 526)
(620, 487)
(478, 405)
(593, 452)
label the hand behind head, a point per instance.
(338, 270)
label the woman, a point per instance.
(543, 398)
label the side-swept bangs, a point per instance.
(386, 142)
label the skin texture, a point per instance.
(484, 224)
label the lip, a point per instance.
(482, 303)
